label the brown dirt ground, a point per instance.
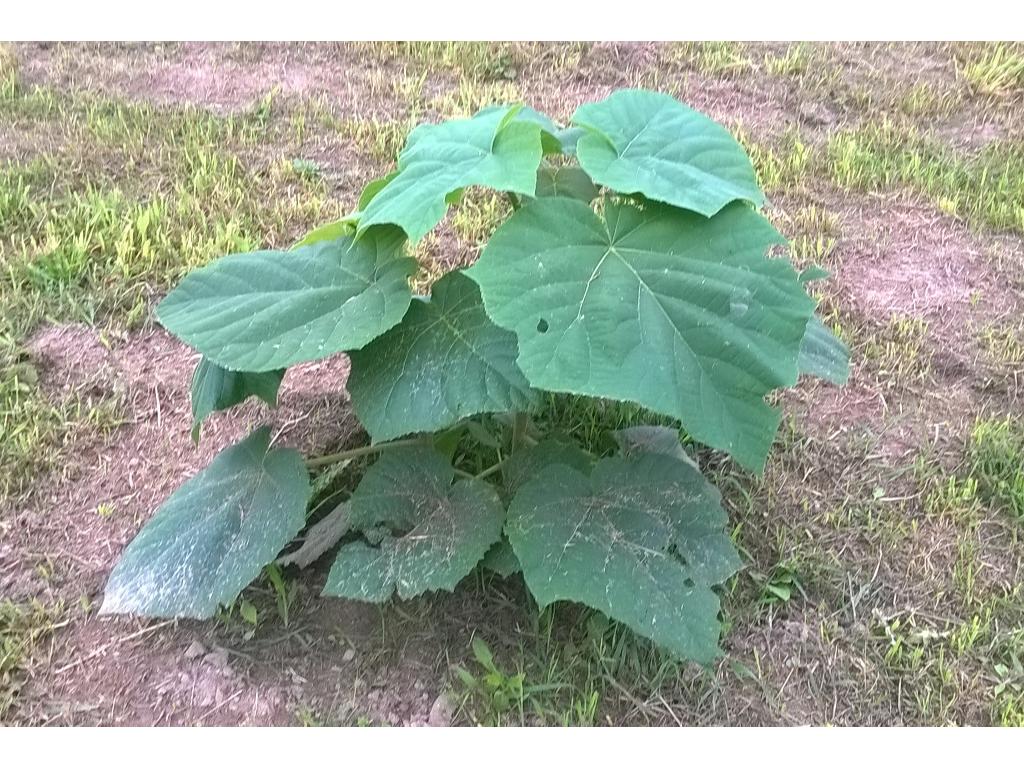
(344, 660)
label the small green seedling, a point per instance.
(634, 266)
(501, 692)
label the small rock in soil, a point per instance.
(348, 655)
(441, 712)
(195, 650)
(218, 659)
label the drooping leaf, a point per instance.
(501, 559)
(647, 142)
(214, 534)
(491, 149)
(549, 134)
(611, 540)
(215, 388)
(530, 114)
(434, 532)
(565, 181)
(445, 361)
(823, 354)
(654, 305)
(652, 439)
(266, 310)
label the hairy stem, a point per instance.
(351, 453)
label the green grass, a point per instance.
(814, 236)
(477, 60)
(382, 140)
(794, 62)
(925, 100)
(34, 428)
(784, 165)
(985, 188)
(716, 59)
(1004, 345)
(468, 96)
(92, 227)
(570, 667)
(23, 628)
(997, 70)
(478, 214)
(996, 457)
(898, 351)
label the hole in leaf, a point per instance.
(542, 326)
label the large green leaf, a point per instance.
(446, 360)
(646, 142)
(640, 539)
(266, 310)
(436, 532)
(823, 354)
(491, 149)
(215, 388)
(214, 535)
(659, 306)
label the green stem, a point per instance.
(513, 199)
(519, 424)
(352, 453)
(492, 469)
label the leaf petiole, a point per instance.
(491, 469)
(352, 453)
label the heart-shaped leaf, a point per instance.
(434, 532)
(491, 149)
(647, 142)
(682, 314)
(267, 310)
(639, 539)
(214, 534)
(445, 361)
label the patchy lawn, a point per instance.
(883, 582)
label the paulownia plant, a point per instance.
(634, 267)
